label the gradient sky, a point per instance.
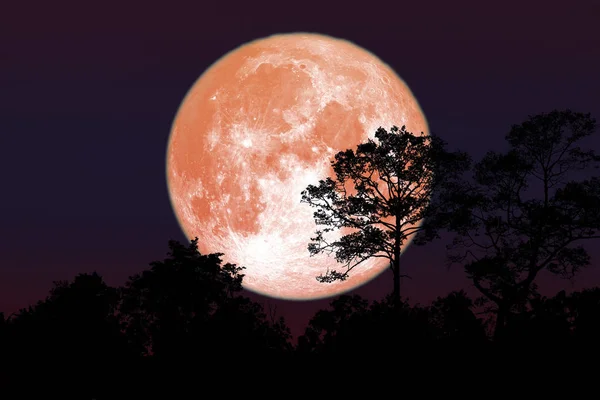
(88, 95)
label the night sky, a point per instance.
(88, 94)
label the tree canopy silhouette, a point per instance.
(353, 326)
(73, 332)
(190, 305)
(454, 320)
(379, 197)
(523, 214)
(177, 322)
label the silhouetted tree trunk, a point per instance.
(396, 270)
(500, 323)
(396, 263)
(510, 300)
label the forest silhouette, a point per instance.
(513, 215)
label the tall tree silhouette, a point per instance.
(525, 213)
(379, 197)
(189, 305)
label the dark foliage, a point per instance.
(189, 306)
(184, 324)
(73, 334)
(525, 212)
(182, 316)
(383, 193)
(184, 321)
(353, 327)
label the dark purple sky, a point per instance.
(88, 94)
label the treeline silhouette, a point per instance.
(522, 212)
(188, 311)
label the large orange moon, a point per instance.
(259, 126)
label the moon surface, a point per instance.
(259, 126)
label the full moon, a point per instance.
(259, 126)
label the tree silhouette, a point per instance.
(544, 323)
(522, 215)
(351, 326)
(333, 330)
(379, 197)
(584, 309)
(455, 321)
(73, 332)
(189, 305)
